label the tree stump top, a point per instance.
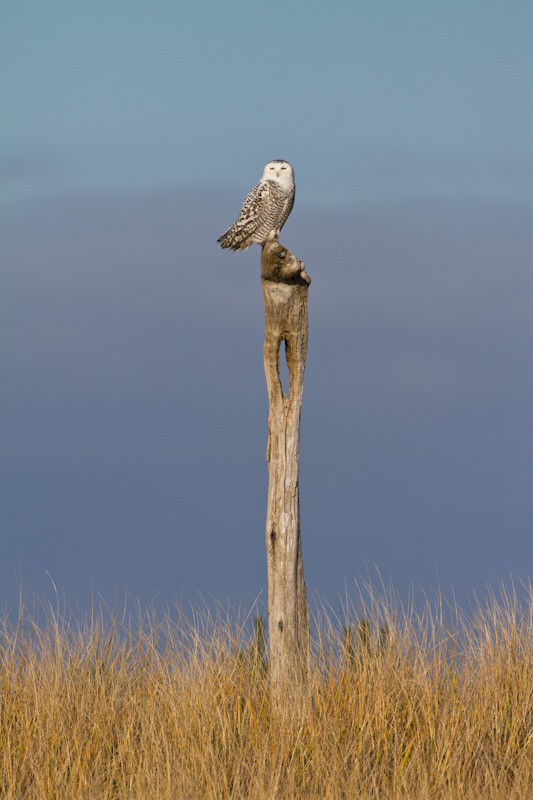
(280, 265)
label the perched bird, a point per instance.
(266, 208)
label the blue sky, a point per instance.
(132, 94)
(135, 408)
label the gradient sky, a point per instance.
(135, 408)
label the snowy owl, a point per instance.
(266, 208)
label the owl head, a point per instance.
(280, 171)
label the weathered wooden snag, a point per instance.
(285, 287)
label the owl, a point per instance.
(266, 208)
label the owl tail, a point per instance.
(234, 239)
(225, 239)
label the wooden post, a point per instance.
(285, 287)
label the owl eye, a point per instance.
(284, 168)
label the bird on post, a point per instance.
(265, 209)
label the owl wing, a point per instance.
(251, 212)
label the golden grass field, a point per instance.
(403, 704)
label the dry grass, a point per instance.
(431, 705)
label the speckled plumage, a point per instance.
(266, 208)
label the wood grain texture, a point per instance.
(285, 287)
